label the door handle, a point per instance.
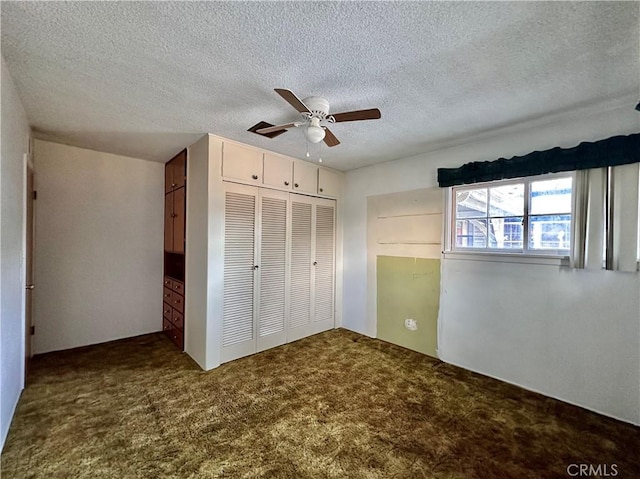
(30, 286)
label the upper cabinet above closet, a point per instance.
(305, 178)
(242, 163)
(278, 171)
(328, 183)
(248, 165)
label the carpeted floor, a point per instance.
(336, 405)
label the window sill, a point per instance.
(500, 257)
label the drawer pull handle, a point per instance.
(255, 177)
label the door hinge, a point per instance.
(35, 195)
(32, 330)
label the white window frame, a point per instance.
(505, 254)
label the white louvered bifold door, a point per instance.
(324, 270)
(272, 269)
(238, 326)
(300, 270)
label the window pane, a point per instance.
(471, 203)
(550, 232)
(506, 200)
(550, 196)
(506, 233)
(471, 233)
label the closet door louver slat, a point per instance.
(273, 257)
(324, 257)
(239, 241)
(300, 302)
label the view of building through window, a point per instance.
(521, 215)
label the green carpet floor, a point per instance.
(335, 405)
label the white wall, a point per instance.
(15, 143)
(570, 334)
(514, 356)
(99, 246)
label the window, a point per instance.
(529, 215)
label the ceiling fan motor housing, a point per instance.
(319, 107)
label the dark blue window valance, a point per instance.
(614, 151)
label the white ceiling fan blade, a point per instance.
(271, 129)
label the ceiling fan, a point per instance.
(315, 118)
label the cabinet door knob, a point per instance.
(255, 177)
(295, 184)
(256, 267)
(286, 183)
(315, 263)
(321, 190)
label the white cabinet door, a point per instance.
(300, 281)
(305, 178)
(328, 183)
(278, 171)
(272, 268)
(238, 326)
(324, 265)
(241, 163)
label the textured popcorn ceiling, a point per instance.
(146, 79)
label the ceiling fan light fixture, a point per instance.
(315, 134)
(315, 114)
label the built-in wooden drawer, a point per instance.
(168, 282)
(168, 293)
(178, 319)
(177, 338)
(177, 301)
(167, 327)
(167, 311)
(178, 286)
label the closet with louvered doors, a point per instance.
(255, 270)
(279, 268)
(312, 274)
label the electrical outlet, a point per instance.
(411, 324)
